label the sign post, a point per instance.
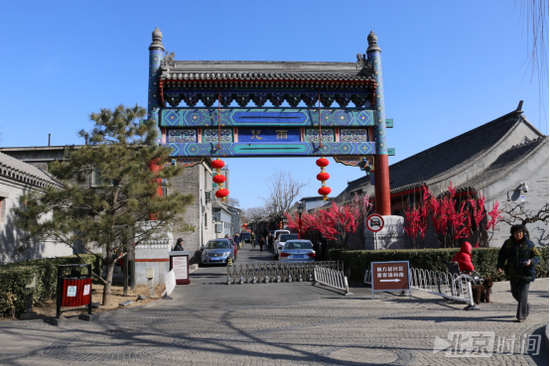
(390, 276)
(375, 223)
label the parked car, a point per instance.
(297, 250)
(276, 234)
(245, 237)
(218, 251)
(280, 242)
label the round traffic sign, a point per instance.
(375, 223)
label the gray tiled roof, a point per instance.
(504, 162)
(15, 169)
(450, 156)
(266, 70)
(443, 161)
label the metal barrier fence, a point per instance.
(450, 286)
(270, 272)
(330, 273)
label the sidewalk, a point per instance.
(276, 324)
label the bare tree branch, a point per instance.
(283, 190)
(517, 213)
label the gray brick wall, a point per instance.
(533, 200)
(12, 247)
(195, 180)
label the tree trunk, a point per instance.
(108, 282)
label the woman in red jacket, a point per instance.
(464, 258)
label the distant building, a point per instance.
(505, 160)
(16, 179)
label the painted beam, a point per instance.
(271, 149)
(283, 117)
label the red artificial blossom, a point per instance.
(416, 219)
(219, 179)
(333, 223)
(451, 220)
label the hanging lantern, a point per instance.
(323, 176)
(322, 162)
(218, 178)
(217, 164)
(222, 193)
(324, 191)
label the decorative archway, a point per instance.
(236, 109)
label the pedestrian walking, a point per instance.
(237, 240)
(253, 239)
(179, 245)
(519, 256)
(261, 241)
(270, 241)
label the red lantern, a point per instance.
(217, 164)
(218, 178)
(324, 191)
(323, 176)
(322, 162)
(222, 193)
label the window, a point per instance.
(96, 178)
(98, 182)
(2, 209)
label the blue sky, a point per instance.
(449, 66)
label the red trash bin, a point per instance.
(75, 288)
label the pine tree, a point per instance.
(107, 193)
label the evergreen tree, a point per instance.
(108, 195)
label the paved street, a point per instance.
(211, 323)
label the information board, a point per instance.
(390, 276)
(179, 263)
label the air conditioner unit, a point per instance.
(219, 227)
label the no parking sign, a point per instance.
(375, 223)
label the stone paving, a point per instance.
(288, 324)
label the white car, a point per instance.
(280, 242)
(297, 251)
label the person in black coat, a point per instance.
(178, 246)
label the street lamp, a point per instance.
(300, 212)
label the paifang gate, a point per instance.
(273, 109)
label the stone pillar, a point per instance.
(392, 235)
(382, 172)
(156, 54)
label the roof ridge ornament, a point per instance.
(157, 41)
(168, 60)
